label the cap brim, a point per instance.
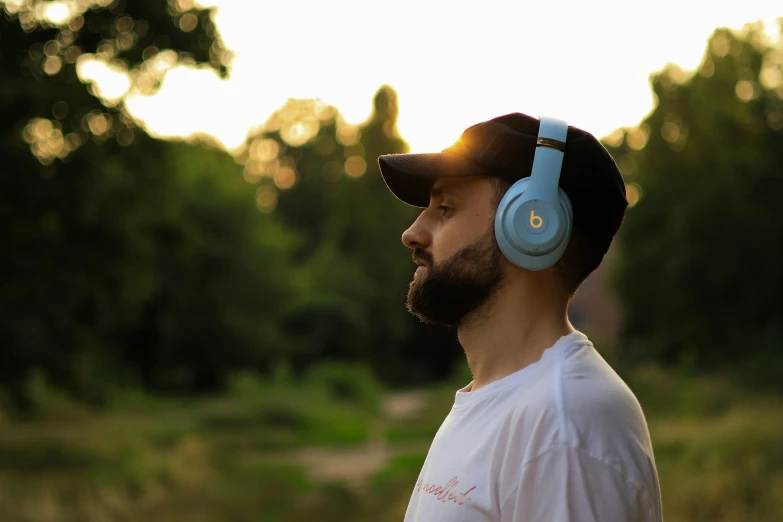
(410, 177)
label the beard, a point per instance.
(447, 292)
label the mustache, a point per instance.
(419, 256)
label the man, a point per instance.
(546, 431)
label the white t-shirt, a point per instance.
(561, 440)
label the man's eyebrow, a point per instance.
(438, 192)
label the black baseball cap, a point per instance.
(504, 147)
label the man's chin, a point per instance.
(430, 320)
(422, 308)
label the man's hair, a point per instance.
(580, 258)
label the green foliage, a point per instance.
(333, 503)
(51, 403)
(107, 241)
(201, 459)
(423, 423)
(286, 414)
(460, 373)
(718, 458)
(725, 467)
(700, 268)
(402, 467)
(163, 283)
(350, 383)
(663, 395)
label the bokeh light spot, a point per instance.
(627, 165)
(125, 137)
(633, 193)
(52, 65)
(269, 168)
(770, 77)
(76, 23)
(355, 166)
(188, 22)
(637, 138)
(149, 52)
(297, 133)
(57, 12)
(615, 139)
(73, 141)
(266, 199)
(42, 127)
(670, 132)
(64, 38)
(746, 90)
(97, 123)
(72, 54)
(324, 111)
(46, 140)
(124, 24)
(52, 48)
(264, 150)
(720, 45)
(60, 110)
(126, 41)
(36, 51)
(285, 178)
(348, 134)
(252, 172)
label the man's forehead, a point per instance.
(455, 186)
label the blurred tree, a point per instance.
(322, 178)
(40, 42)
(702, 251)
(126, 259)
(221, 276)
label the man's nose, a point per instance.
(417, 235)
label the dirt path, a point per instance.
(354, 465)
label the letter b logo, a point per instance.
(533, 218)
(535, 221)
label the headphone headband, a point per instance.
(548, 160)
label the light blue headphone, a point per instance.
(533, 220)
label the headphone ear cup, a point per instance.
(532, 233)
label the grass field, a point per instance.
(340, 448)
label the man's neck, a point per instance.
(511, 332)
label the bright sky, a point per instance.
(452, 63)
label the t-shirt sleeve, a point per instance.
(565, 484)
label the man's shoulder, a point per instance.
(591, 393)
(582, 402)
(575, 377)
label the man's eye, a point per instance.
(445, 210)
